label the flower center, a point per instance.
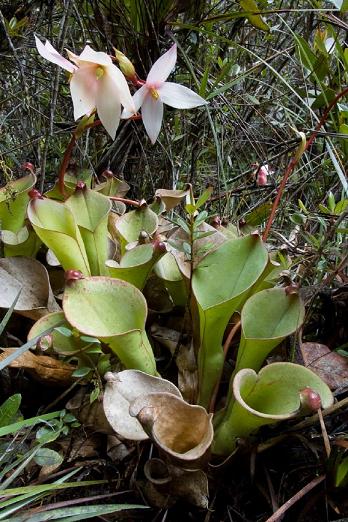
(99, 72)
(154, 93)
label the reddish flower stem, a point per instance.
(131, 202)
(294, 161)
(67, 155)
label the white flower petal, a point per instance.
(89, 56)
(83, 88)
(138, 99)
(152, 112)
(161, 69)
(49, 52)
(121, 85)
(179, 97)
(108, 104)
(98, 57)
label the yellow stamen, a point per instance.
(99, 72)
(154, 94)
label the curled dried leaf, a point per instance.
(121, 390)
(167, 483)
(183, 432)
(30, 276)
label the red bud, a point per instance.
(107, 173)
(28, 166)
(73, 275)
(35, 194)
(310, 400)
(159, 247)
(216, 222)
(80, 185)
(261, 179)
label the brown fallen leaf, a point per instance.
(330, 366)
(43, 368)
(167, 483)
(185, 360)
(90, 415)
(30, 276)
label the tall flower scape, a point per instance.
(96, 83)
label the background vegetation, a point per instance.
(265, 79)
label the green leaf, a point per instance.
(331, 203)
(9, 409)
(250, 6)
(64, 331)
(204, 197)
(88, 339)
(342, 473)
(13, 428)
(90, 210)
(95, 393)
(267, 318)
(48, 457)
(72, 514)
(131, 224)
(56, 226)
(82, 371)
(220, 284)
(202, 216)
(49, 487)
(339, 208)
(307, 56)
(13, 202)
(48, 434)
(182, 224)
(190, 209)
(135, 265)
(89, 306)
(265, 398)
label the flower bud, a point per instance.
(159, 247)
(107, 174)
(143, 237)
(261, 179)
(28, 166)
(45, 343)
(126, 66)
(310, 399)
(80, 185)
(216, 222)
(35, 194)
(72, 275)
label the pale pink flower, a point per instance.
(96, 83)
(156, 91)
(262, 174)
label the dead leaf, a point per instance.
(167, 483)
(42, 368)
(117, 450)
(185, 360)
(121, 390)
(90, 415)
(182, 432)
(330, 366)
(171, 198)
(30, 276)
